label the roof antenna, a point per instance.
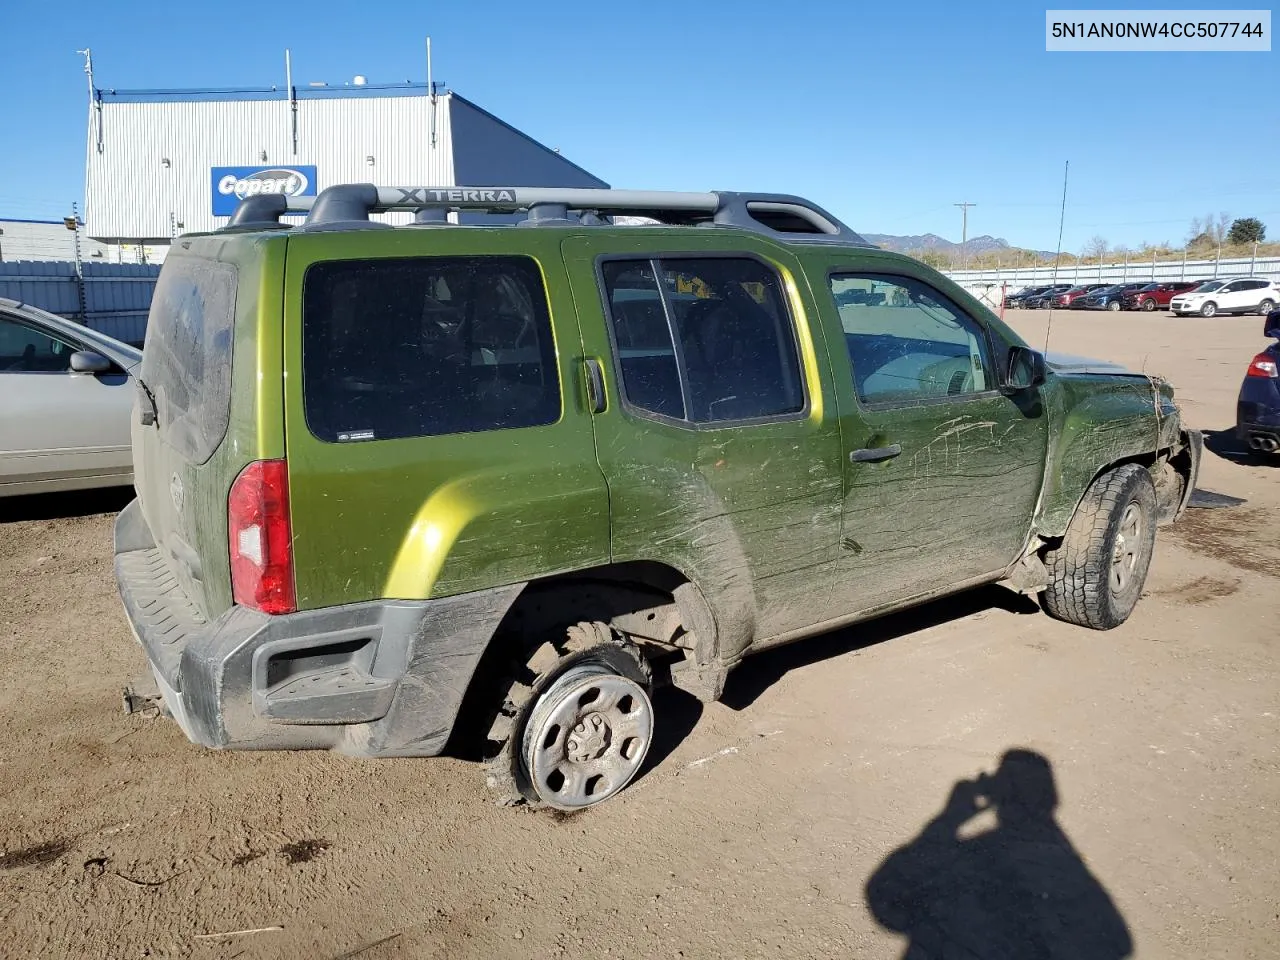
(1057, 256)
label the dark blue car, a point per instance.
(1258, 409)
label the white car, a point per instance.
(66, 400)
(1232, 295)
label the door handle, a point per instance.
(595, 385)
(873, 454)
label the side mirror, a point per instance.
(86, 361)
(1025, 371)
(1271, 326)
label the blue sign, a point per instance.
(233, 184)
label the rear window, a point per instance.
(186, 358)
(426, 346)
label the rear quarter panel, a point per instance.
(422, 517)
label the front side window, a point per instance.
(907, 342)
(426, 346)
(704, 340)
(27, 349)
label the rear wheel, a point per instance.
(1266, 306)
(1149, 304)
(1209, 309)
(1097, 573)
(575, 721)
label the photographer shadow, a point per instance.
(1015, 890)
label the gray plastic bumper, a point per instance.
(384, 678)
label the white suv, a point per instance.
(1239, 295)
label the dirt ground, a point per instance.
(765, 824)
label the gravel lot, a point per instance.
(813, 811)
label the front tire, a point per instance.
(1149, 304)
(575, 721)
(1097, 573)
(1209, 309)
(1113, 305)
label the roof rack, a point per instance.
(349, 206)
(263, 211)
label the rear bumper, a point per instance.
(1258, 409)
(384, 678)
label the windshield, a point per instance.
(1208, 285)
(1150, 286)
(1108, 290)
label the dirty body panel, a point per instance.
(745, 505)
(942, 470)
(212, 362)
(389, 498)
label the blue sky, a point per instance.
(886, 113)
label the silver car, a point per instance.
(66, 398)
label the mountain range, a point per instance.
(931, 242)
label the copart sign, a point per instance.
(233, 184)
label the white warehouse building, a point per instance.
(163, 163)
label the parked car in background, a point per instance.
(1016, 300)
(1074, 296)
(66, 396)
(1258, 407)
(1111, 298)
(1235, 295)
(1155, 295)
(1045, 297)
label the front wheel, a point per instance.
(1149, 304)
(1266, 306)
(1209, 309)
(1097, 572)
(1113, 305)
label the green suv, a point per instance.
(403, 488)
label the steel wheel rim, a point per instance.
(587, 737)
(1128, 546)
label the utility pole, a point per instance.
(964, 230)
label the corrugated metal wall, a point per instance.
(117, 296)
(130, 193)
(44, 240)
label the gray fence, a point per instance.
(111, 297)
(1173, 268)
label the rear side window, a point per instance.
(703, 340)
(186, 359)
(420, 347)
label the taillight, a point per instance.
(1263, 365)
(260, 537)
